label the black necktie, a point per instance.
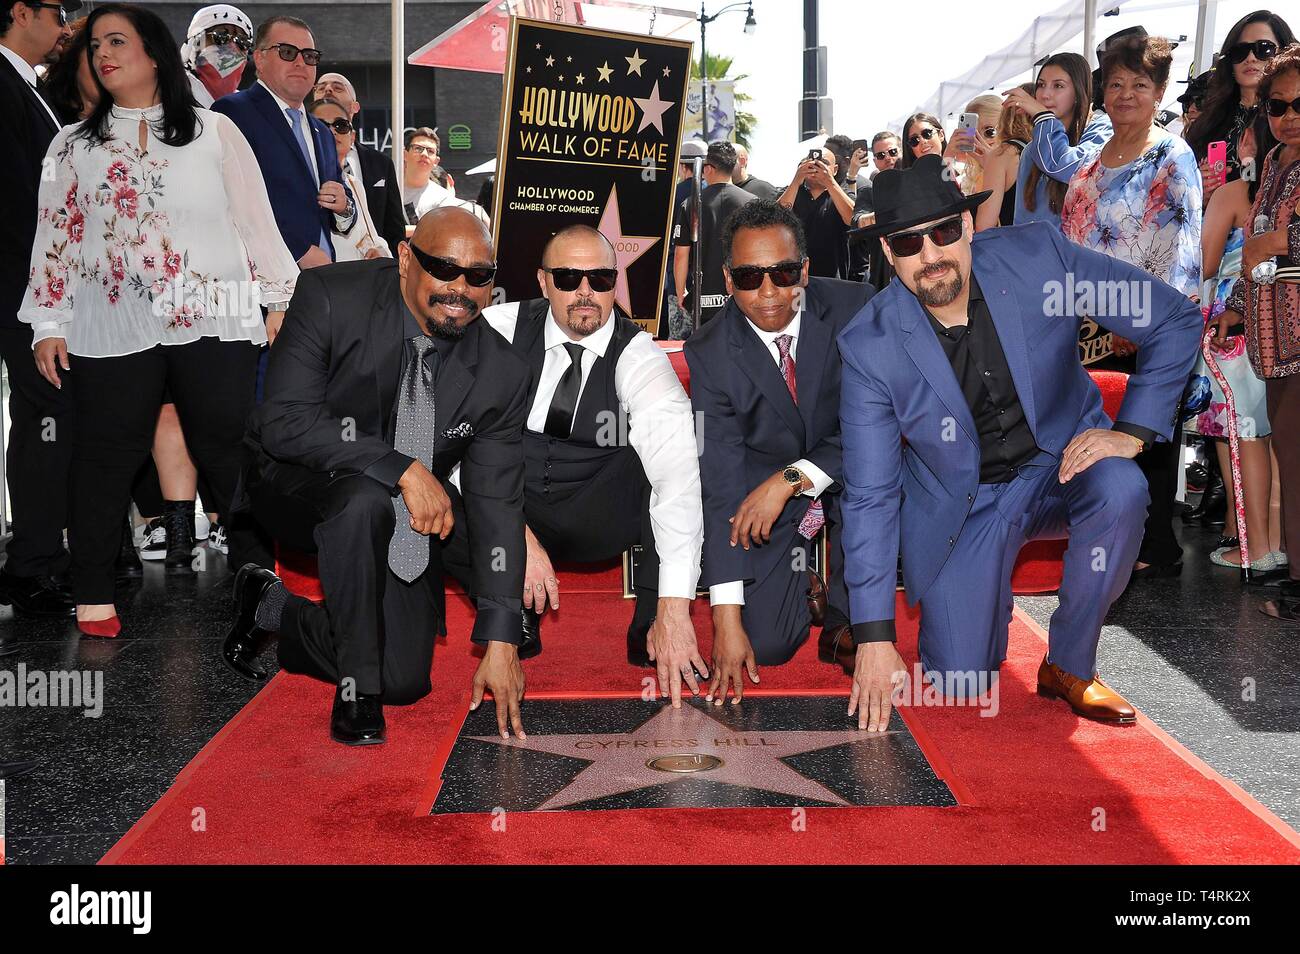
(559, 419)
(408, 551)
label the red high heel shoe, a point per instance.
(101, 628)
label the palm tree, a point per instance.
(719, 66)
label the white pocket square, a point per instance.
(379, 183)
(463, 429)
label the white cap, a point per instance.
(219, 14)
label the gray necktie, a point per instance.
(408, 552)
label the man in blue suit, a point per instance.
(765, 382)
(295, 151)
(969, 426)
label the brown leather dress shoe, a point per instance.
(835, 646)
(816, 597)
(1092, 699)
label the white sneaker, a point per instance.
(202, 526)
(154, 545)
(217, 539)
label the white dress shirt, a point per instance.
(661, 430)
(733, 591)
(28, 72)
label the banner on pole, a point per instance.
(591, 128)
(722, 112)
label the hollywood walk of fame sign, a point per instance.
(590, 133)
(605, 754)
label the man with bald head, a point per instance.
(740, 176)
(609, 448)
(367, 165)
(380, 382)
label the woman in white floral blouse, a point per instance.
(155, 250)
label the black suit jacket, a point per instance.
(383, 201)
(26, 130)
(752, 427)
(331, 388)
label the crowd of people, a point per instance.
(221, 292)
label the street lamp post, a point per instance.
(705, 19)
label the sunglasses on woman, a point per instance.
(446, 270)
(568, 279)
(927, 134)
(1277, 107)
(750, 277)
(1263, 50)
(907, 244)
(891, 153)
(288, 52)
(340, 126)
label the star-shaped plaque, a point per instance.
(652, 109)
(604, 72)
(627, 248)
(600, 754)
(635, 62)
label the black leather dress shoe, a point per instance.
(129, 565)
(245, 639)
(10, 770)
(358, 722)
(37, 596)
(816, 596)
(531, 629)
(1157, 571)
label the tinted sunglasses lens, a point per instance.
(478, 277)
(602, 279)
(1265, 49)
(341, 126)
(566, 279)
(311, 57)
(440, 268)
(945, 233)
(787, 274)
(287, 52)
(747, 277)
(1277, 107)
(905, 246)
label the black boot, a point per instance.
(129, 566)
(530, 643)
(642, 619)
(178, 521)
(1213, 508)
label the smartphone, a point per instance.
(1217, 156)
(815, 154)
(969, 123)
(860, 144)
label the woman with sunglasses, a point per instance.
(1066, 134)
(1002, 167)
(971, 151)
(922, 135)
(1272, 307)
(216, 51)
(364, 241)
(155, 248)
(1140, 200)
(1230, 103)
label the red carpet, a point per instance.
(275, 789)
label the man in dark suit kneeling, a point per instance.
(765, 381)
(380, 382)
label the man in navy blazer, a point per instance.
(295, 151)
(969, 426)
(765, 381)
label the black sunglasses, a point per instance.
(568, 279)
(1263, 50)
(1277, 107)
(63, 13)
(340, 126)
(891, 153)
(914, 140)
(222, 36)
(750, 277)
(288, 52)
(907, 244)
(446, 270)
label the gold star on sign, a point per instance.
(539, 46)
(578, 79)
(561, 77)
(634, 62)
(667, 71)
(604, 72)
(568, 59)
(528, 69)
(550, 61)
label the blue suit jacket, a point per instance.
(289, 182)
(898, 385)
(751, 427)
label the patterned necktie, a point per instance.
(564, 402)
(408, 551)
(814, 518)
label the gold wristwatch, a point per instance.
(794, 477)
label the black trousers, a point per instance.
(117, 401)
(41, 437)
(594, 521)
(373, 627)
(1160, 463)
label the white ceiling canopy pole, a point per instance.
(398, 121)
(1090, 32)
(1204, 58)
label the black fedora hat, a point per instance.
(923, 193)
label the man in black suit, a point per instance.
(369, 166)
(765, 384)
(380, 382)
(40, 416)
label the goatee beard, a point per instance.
(941, 293)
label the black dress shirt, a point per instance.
(977, 358)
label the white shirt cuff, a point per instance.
(727, 594)
(677, 581)
(818, 477)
